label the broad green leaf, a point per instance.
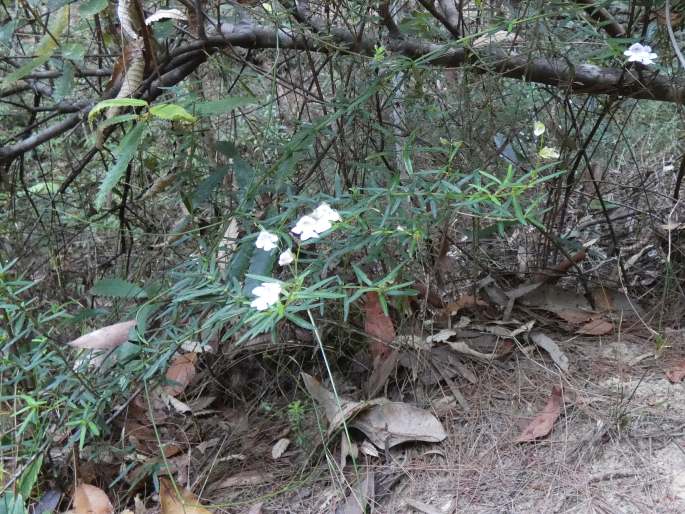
(44, 187)
(124, 153)
(208, 185)
(7, 31)
(120, 118)
(73, 51)
(117, 288)
(172, 112)
(65, 83)
(11, 503)
(45, 48)
(30, 476)
(224, 105)
(261, 264)
(115, 102)
(92, 7)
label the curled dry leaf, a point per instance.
(165, 14)
(89, 499)
(106, 337)
(596, 327)
(546, 343)
(384, 423)
(172, 503)
(389, 424)
(180, 373)
(279, 448)
(360, 496)
(542, 423)
(368, 449)
(463, 302)
(676, 374)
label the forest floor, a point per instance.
(618, 445)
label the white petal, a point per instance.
(266, 241)
(286, 258)
(260, 304)
(324, 212)
(538, 128)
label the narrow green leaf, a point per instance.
(115, 102)
(224, 105)
(172, 112)
(117, 288)
(65, 83)
(124, 154)
(92, 7)
(45, 48)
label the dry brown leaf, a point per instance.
(171, 503)
(596, 327)
(360, 497)
(368, 449)
(547, 344)
(243, 479)
(180, 373)
(464, 301)
(379, 326)
(392, 423)
(573, 316)
(542, 424)
(676, 374)
(89, 499)
(165, 14)
(279, 448)
(229, 242)
(106, 337)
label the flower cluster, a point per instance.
(313, 225)
(307, 227)
(640, 53)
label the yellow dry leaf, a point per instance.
(89, 499)
(172, 503)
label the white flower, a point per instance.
(266, 295)
(640, 53)
(400, 228)
(320, 220)
(324, 212)
(306, 227)
(549, 153)
(538, 128)
(286, 258)
(266, 241)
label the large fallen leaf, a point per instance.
(172, 503)
(107, 337)
(89, 499)
(384, 423)
(542, 424)
(180, 373)
(379, 326)
(596, 327)
(389, 424)
(546, 343)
